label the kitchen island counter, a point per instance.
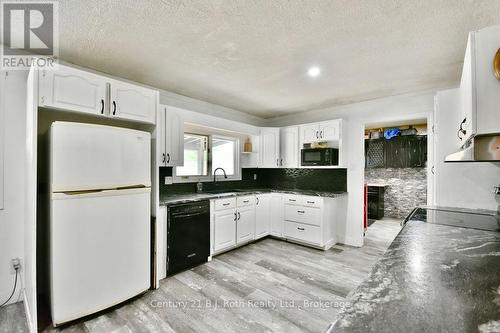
(433, 278)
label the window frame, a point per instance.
(208, 154)
(210, 177)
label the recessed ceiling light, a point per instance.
(314, 71)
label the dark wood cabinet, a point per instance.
(399, 152)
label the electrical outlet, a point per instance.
(254, 176)
(169, 180)
(15, 264)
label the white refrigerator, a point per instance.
(99, 217)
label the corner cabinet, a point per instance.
(479, 89)
(262, 215)
(170, 136)
(76, 90)
(270, 148)
(289, 147)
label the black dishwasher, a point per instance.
(188, 235)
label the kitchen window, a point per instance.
(203, 154)
(195, 156)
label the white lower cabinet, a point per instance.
(245, 225)
(225, 230)
(303, 232)
(310, 220)
(262, 215)
(276, 215)
(307, 220)
(234, 222)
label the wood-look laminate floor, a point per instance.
(266, 286)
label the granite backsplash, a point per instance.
(284, 179)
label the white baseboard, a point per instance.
(351, 241)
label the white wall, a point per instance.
(208, 109)
(467, 185)
(12, 216)
(403, 107)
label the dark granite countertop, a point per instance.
(433, 278)
(181, 198)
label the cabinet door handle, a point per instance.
(301, 212)
(281, 162)
(321, 134)
(102, 106)
(292, 200)
(301, 229)
(246, 201)
(239, 216)
(317, 134)
(277, 162)
(310, 202)
(257, 201)
(168, 158)
(235, 216)
(164, 158)
(225, 204)
(114, 108)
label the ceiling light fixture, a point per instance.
(314, 71)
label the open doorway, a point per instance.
(396, 179)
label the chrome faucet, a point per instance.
(215, 172)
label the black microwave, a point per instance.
(320, 157)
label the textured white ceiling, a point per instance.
(252, 55)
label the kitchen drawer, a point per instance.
(303, 214)
(225, 203)
(245, 201)
(303, 232)
(292, 199)
(312, 201)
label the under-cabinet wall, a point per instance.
(302, 179)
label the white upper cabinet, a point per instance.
(309, 133)
(329, 130)
(479, 88)
(129, 101)
(289, 147)
(270, 147)
(324, 131)
(73, 89)
(170, 137)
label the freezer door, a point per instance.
(85, 156)
(100, 251)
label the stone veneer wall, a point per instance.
(407, 189)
